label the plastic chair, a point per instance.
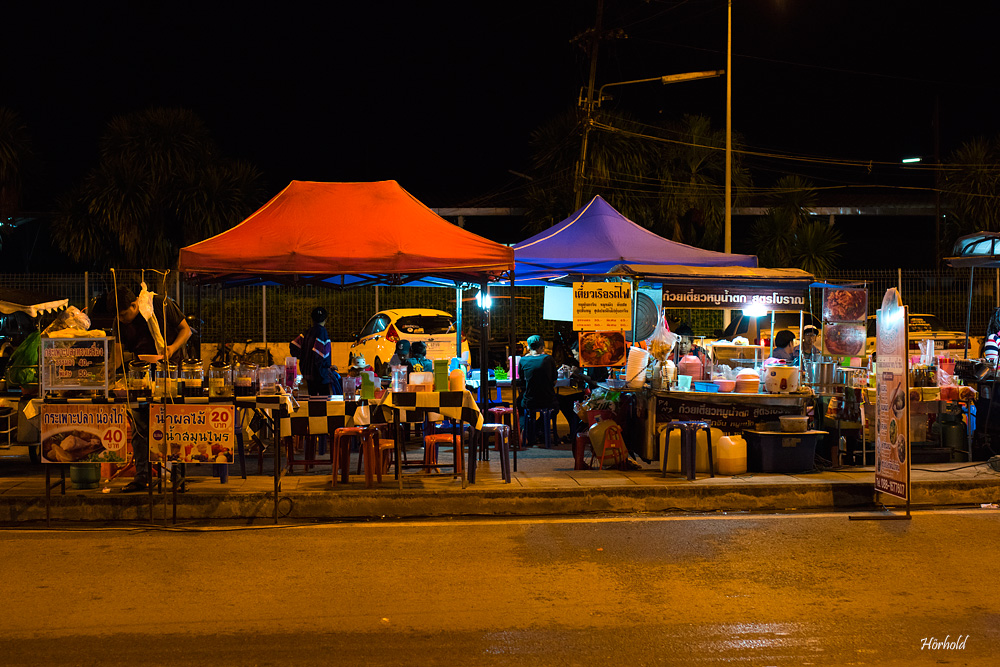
(613, 443)
(548, 417)
(383, 445)
(689, 446)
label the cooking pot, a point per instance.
(822, 374)
(781, 379)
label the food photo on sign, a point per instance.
(602, 348)
(844, 339)
(845, 304)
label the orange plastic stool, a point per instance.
(431, 444)
(341, 452)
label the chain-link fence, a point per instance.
(239, 314)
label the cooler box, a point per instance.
(778, 451)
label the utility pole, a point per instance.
(588, 106)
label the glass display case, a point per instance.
(75, 365)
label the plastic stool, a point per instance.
(382, 444)
(614, 443)
(431, 444)
(340, 452)
(689, 446)
(501, 440)
(548, 423)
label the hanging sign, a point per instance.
(84, 432)
(892, 428)
(602, 307)
(192, 433)
(714, 297)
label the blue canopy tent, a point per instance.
(597, 238)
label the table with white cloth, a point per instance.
(412, 406)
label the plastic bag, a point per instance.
(145, 304)
(662, 341)
(22, 369)
(71, 318)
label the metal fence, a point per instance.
(239, 314)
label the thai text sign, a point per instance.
(892, 427)
(192, 433)
(728, 417)
(74, 363)
(602, 306)
(84, 432)
(711, 296)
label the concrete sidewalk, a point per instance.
(544, 484)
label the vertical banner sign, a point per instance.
(84, 432)
(192, 433)
(602, 306)
(892, 428)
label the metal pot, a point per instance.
(822, 375)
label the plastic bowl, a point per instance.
(725, 385)
(794, 423)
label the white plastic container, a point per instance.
(731, 455)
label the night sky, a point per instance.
(442, 96)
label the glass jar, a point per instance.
(166, 380)
(139, 384)
(245, 382)
(267, 379)
(192, 379)
(220, 380)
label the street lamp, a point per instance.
(590, 103)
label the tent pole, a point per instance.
(968, 313)
(458, 319)
(484, 366)
(512, 341)
(263, 316)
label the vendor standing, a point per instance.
(135, 336)
(808, 350)
(784, 343)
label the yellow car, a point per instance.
(377, 340)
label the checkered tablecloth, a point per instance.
(452, 404)
(318, 417)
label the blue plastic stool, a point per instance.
(548, 416)
(689, 446)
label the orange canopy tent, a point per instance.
(345, 234)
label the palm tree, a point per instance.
(789, 236)
(972, 187)
(159, 185)
(666, 178)
(16, 153)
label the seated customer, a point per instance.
(418, 361)
(402, 355)
(538, 371)
(580, 380)
(784, 343)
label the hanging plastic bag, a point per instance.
(145, 304)
(662, 340)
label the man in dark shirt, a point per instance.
(136, 337)
(538, 371)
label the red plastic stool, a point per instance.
(614, 443)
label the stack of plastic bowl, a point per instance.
(635, 367)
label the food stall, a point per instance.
(732, 287)
(291, 240)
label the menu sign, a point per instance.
(730, 417)
(892, 428)
(845, 310)
(602, 306)
(714, 297)
(192, 433)
(84, 432)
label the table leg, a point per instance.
(399, 448)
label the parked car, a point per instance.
(377, 340)
(924, 327)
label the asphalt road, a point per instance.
(737, 589)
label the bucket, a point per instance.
(85, 475)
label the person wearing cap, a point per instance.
(538, 370)
(807, 347)
(135, 336)
(418, 361)
(402, 354)
(312, 349)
